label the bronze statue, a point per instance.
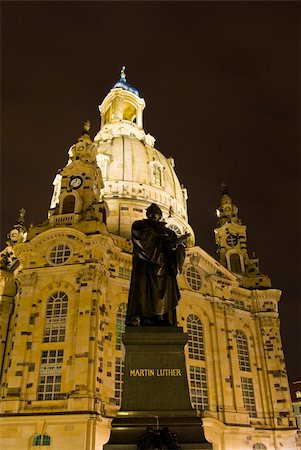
(158, 258)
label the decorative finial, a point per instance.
(122, 75)
(224, 188)
(21, 217)
(86, 127)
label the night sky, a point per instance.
(220, 84)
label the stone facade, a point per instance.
(64, 289)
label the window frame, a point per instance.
(55, 253)
(248, 395)
(196, 344)
(50, 375)
(56, 317)
(39, 440)
(120, 322)
(198, 384)
(193, 280)
(243, 353)
(157, 174)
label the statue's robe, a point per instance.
(157, 260)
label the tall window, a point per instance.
(68, 204)
(195, 338)
(56, 315)
(157, 174)
(243, 351)
(235, 265)
(41, 439)
(119, 369)
(198, 387)
(120, 324)
(50, 376)
(248, 395)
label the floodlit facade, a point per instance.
(64, 287)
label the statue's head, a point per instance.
(154, 212)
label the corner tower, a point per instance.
(231, 240)
(135, 173)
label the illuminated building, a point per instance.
(64, 287)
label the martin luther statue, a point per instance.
(158, 256)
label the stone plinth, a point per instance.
(155, 390)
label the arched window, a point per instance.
(259, 446)
(120, 324)
(56, 315)
(235, 264)
(195, 338)
(243, 351)
(129, 112)
(68, 204)
(40, 439)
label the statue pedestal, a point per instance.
(155, 390)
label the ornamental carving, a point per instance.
(93, 273)
(271, 322)
(86, 275)
(26, 280)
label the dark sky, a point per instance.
(220, 83)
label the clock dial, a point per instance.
(76, 182)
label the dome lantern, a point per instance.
(122, 107)
(135, 173)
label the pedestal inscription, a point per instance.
(155, 390)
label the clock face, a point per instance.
(76, 182)
(232, 240)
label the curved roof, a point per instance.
(135, 173)
(126, 86)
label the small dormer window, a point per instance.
(157, 175)
(41, 440)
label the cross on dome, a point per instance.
(122, 74)
(122, 83)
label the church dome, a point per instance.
(135, 173)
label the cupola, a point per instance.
(122, 106)
(135, 173)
